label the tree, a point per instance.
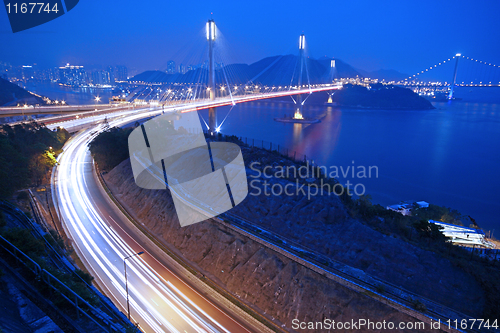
(429, 230)
(110, 147)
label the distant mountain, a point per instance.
(12, 94)
(342, 68)
(276, 70)
(385, 74)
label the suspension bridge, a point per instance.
(476, 73)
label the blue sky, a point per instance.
(402, 35)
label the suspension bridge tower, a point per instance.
(302, 45)
(452, 87)
(212, 112)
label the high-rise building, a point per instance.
(73, 75)
(121, 74)
(111, 74)
(100, 77)
(171, 67)
(182, 69)
(28, 72)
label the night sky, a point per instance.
(402, 35)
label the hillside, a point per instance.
(379, 96)
(279, 287)
(12, 94)
(283, 288)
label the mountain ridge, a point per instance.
(274, 70)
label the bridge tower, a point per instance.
(212, 112)
(452, 87)
(302, 45)
(332, 74)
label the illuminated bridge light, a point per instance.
(302, 42)
(210, 29)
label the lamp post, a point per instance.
(126, 282)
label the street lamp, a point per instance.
(126, 282)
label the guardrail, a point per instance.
(359, 277)
(81, 306)
(56, 259)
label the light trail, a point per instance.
(159, 300)
(153, 304)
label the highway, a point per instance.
(159, 300)
(9, 111)
(162, 298)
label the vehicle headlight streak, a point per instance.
(164, 308)
(71, 187)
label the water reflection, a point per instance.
(448, 156)
(318, 140)
(71, 95)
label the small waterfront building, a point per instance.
(406, 207)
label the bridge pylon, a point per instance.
(452, 86)
(212, 112)
(332, 75)
(330, 100)
(302, 45)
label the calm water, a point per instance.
(72, 96)
(449, 156)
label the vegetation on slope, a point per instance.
(110, 147)
(27, 154)
(380, 96)
(417, 230)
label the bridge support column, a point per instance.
(452, 87)
(302, 44)
(212, 120)
(212, 112)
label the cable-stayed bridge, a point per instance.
(217, 83)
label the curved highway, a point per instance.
(161, 297)
(159, 300)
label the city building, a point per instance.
(171, 67)
(73, 75)
(28, 72)
(121, 74)
(100, 77)
(111, 74)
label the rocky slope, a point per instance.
(281, 288)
